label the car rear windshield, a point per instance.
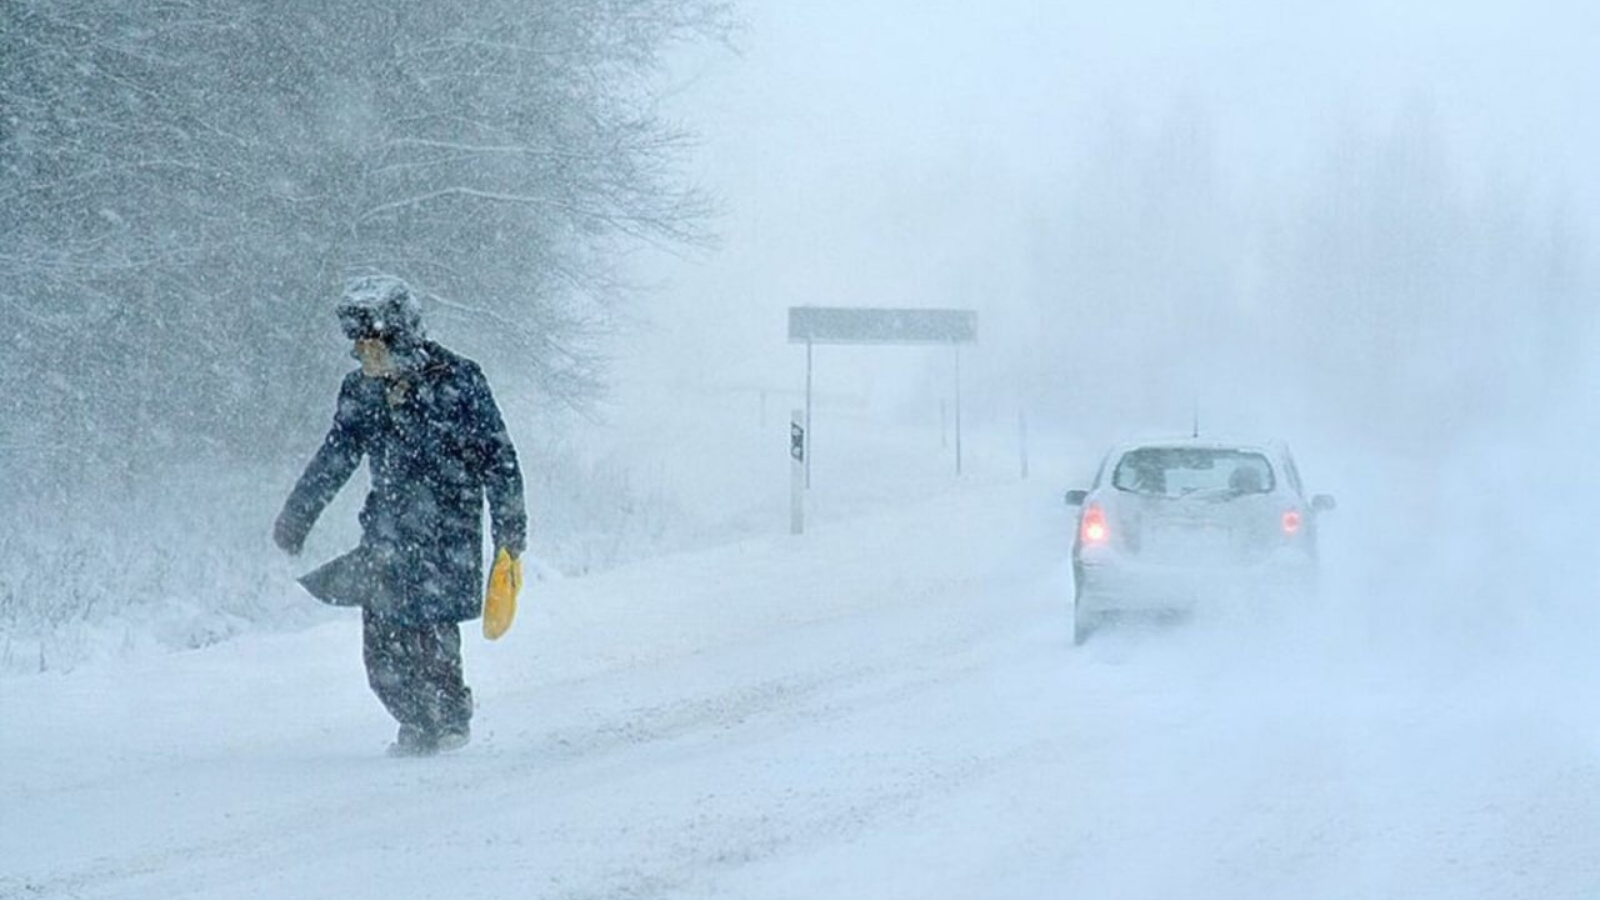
(1181, 471)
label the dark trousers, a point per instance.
(416, 671)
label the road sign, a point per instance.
(869, 325)
(812, 325)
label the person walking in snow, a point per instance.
(436, 448)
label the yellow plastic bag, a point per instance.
(500, 604)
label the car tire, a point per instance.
(1083, 623)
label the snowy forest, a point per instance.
(183, 180)
(186, 181)
(186, 186)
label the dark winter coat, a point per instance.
(435, 446)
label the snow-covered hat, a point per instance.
(380, 306)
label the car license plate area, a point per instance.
(1190, 542)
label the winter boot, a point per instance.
(413, 741)
(452, 739)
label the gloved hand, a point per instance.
(288, 534)
(500, 602)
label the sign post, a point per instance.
(808, 412)
(958, 409)
(797, 472)
(812, 325)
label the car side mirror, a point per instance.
(1076, 498)
(1324, 503)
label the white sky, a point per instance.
(874, 153)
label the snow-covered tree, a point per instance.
(185, 183)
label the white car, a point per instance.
(1171, 525)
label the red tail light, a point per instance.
(1291, 522)
(1093, 529)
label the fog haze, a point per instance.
(1364, 230)
(1227, 178)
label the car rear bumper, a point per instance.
(1116, 584)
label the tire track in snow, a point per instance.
(810, 697)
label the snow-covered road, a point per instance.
(889, 707)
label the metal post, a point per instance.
(808, 414)
(958, 410)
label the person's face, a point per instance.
(376, 360)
